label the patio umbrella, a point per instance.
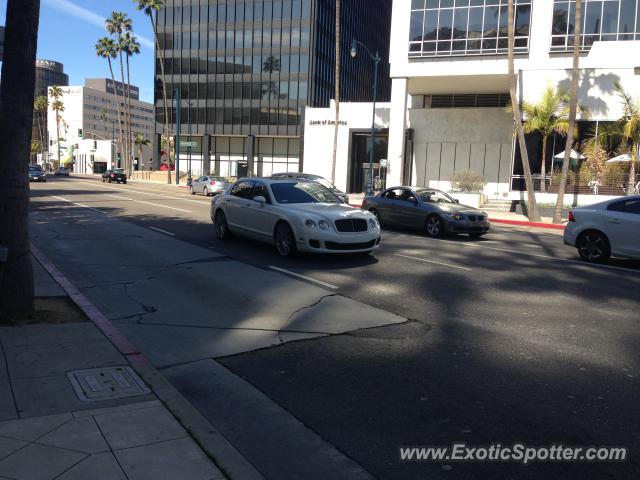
(573, 155)
(625, 157)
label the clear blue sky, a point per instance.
(68, 33)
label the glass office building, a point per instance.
(245, 70)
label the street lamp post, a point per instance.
(177, 145)
(376, 60)
(189, 179)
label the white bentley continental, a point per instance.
(294, 216)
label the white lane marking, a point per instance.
(147, 203)
(432, 261)
(169, 197)
(303, 277)
(78, 204)
(162, 231)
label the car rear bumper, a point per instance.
(570, 234)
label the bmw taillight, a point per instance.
(113, 175)
(571, 217)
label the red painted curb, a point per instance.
(91, 311)
(551, 226)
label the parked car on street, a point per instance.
(295, 216)
(209, 185)
(313, 178)
(36, 174)
(426, 209)
(605, 229)
(114, 175)
(62, 172)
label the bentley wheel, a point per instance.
(284, 240)
(222, 229)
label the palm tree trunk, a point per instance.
(125, 143)
(58, 135)
(573, 107)
(543, 166)
(129, 127)
(631, 184)
(337, 95)
(115, 92)
(16, 122)
(164, 99)
(532, 209)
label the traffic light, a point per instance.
(79, 133)
(119, 157)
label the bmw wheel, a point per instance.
(434, 226)
(593, 247)
(285, 240)
(222, 229)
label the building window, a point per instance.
(466, 27)
(602, 20)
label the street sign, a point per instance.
(189, 144)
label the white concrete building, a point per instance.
(83, 122)
(450, 89)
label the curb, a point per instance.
(551, 226)
(216, 446)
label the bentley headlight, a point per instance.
(311, 225)
(323, 224)
(373, 224)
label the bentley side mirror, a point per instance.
(261, 200)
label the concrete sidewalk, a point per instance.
(72, 408)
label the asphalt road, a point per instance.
(510, 339)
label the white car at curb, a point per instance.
(604, 229)
(294, 216)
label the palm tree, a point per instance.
(573, 107)
(106, 48)
(532, 209)
(57, 106)
(117, 25)
(630, 123)
(131, 47)
(337, 95)
(40, 106)
(104, 111)
(149, 7)
(141, 141)
(549, 116)
(16, 121)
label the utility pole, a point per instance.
(177, 97)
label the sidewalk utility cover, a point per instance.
(106, 383)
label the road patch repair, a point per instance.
(212, 306)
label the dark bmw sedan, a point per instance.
(115, 175)
(36, 174)
(427, 209)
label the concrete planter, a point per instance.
(544, 211)
(471, 199)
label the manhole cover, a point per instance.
(106, 383)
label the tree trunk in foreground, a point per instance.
(16, 116)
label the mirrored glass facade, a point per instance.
(466, 27)
(608, 20)
(249, 67)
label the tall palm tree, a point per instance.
(130, 47)
(104, 111)
(573, 107)
(532, 209)
(337, 95)
(40, 106)
(117, 24)
(141, 141)
(549, 116)
(149, 7)
(630, 132)
(106, 48)
(58, 107)
(16, 121)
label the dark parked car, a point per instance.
(36, 174)
(116, 175)
(427, 209)
(313, 178)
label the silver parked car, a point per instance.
(295, 216)
(209, 185)
(426, 209)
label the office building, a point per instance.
(245, 71)
(450, 88)
(90, 113)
